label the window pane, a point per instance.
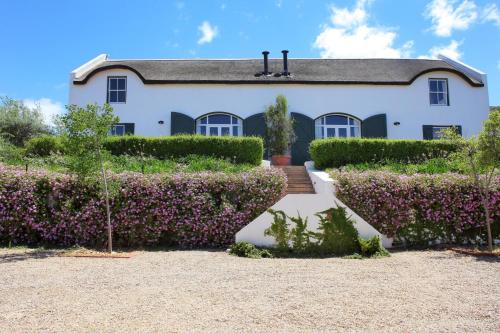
(441, 98)
(354, 131)
(330, 132)
(343, 132)
(203, 130)
(235, 131)
(351, 121)
(121, 84)
(203, 120)
(224, 131)
(322, 120)
(432, 85)
(336, 120)
(113, 96)
(434, 98)
(120, 130)
(121, 96)
(214, 131)
(235, 120)
(322, 132)
(219, 119)
(113, 84)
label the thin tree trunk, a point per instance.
(108, 210)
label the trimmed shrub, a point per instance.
(237, 149)
(336, 152)
(43, 146)
(248, 250)
(187, 210)
(420, 208)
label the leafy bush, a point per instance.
(247, 250)
(18, 122)
(188, 210)
(420, 208)
(336, 152)
(236, 149)
(10, 153)
(43, 146)
(432, 166)
(336, 233)
(372, 247)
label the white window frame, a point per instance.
(219, 126)
(445, 92)
(318, 126)
(116, 90)
(112, 131)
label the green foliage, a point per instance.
(489, 141)
(372, 247)
(279, 229)
(336, 152)
(9, 153)
(248, 250)
(337, 234)
(279, 131)
(299, 235)
(18, 122)
(433, 166)
(44, 145)
(236, 149)
(84, 131)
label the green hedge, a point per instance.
(237, 149)
(336, 152)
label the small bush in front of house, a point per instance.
(44, 145)
(336, 235)
(187, 210)
(336, 152)
(248, 250)
(420, 208)
(236, 149)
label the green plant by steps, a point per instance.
(248, 250)
(372, 247)
(299, 235)
(279, 131)
(336, 233)
(279, 229)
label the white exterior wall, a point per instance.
(409, 105)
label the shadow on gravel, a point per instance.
(21, 256)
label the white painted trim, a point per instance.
(462, 67)
(88, 65)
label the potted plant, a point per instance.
(279, 131)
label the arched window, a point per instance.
(337, 125)
(219, 124)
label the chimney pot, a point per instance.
(285, 63)
(266, 64)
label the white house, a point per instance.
(393, 98)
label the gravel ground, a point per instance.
(203, 291)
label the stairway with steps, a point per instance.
(298, 180)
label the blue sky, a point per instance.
(42, 41)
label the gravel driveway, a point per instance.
(203, 291)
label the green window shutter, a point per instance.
(374, 126)
(181, 124)
(129, 128)
(427, 132)
(255, 125)
(304, 132)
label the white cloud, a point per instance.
(208, 32)
(451, 51)
(490, 13)
(48, 108)
(279, 3)
(446, 17)
(350, 36)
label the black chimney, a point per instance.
(266, 66)
(285, 63)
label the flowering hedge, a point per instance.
(188, 210)
(418, 208)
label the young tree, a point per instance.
(83, 131)
(279, 132)
(482, 155)
(19, 123)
